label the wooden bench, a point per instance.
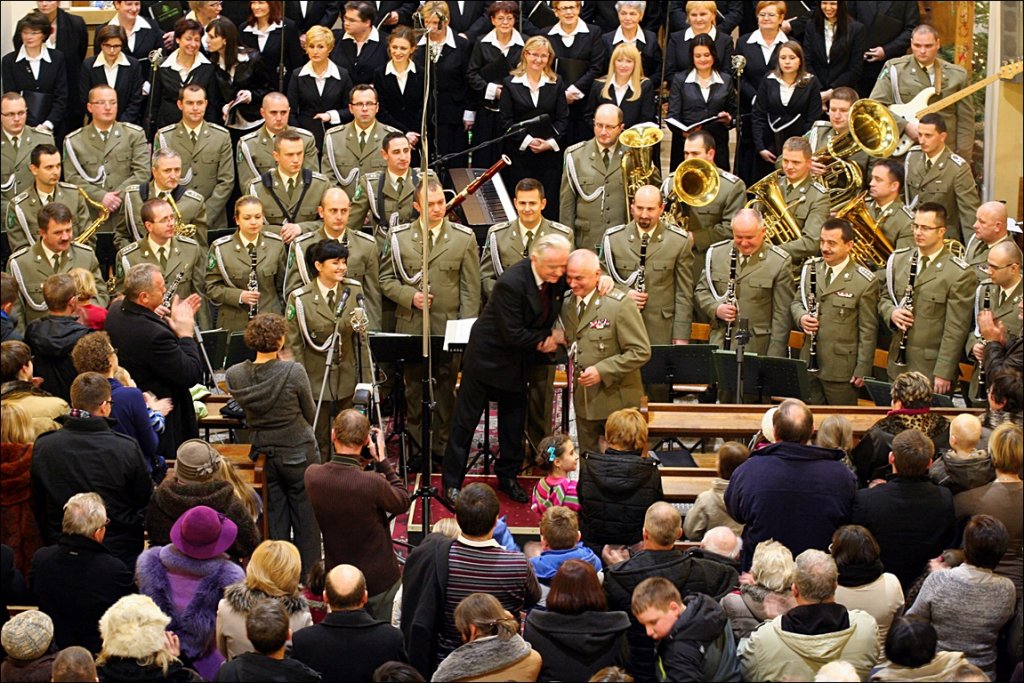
(214, 420)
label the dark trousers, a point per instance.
(289, 513)
(469, 405)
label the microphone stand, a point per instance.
(335, 340)
(441, 161)
(664, 65)
(280, 62)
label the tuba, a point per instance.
(694, 183)
(871, 129)
(956, 248)
(780, 225)
(180, 229)
(871, 248)
(101, 218)
(638, 168)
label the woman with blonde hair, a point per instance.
(18, 527)
(319, 91)
(137, 645)
(625, 86)
(836, 431)
(89, 314)
(274, 572)
(765, 592)
(702, 16)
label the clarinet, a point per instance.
(254, 285)
(979, 366)
(641, 271)
(813, 311)
(907, 303)
(730, 298)
(169, 294)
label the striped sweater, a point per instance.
(554, 491)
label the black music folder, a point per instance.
(166, 14)
(496, 71)
(38, 104)
(571, 70)
(542, 15)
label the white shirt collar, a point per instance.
(557, 30)
(587, 298)
(50, 254)
(715, 77)
(140, 23)
(544, 80)
(389, 68)
(325, 290)
(690, 35)
(489, 543)
(492, 38)
(122, 60)
(171, 62)
(838, 268)
(619, 38)
(44, 53)
(537, 278)
(782, 83)
(153, 246)
(756, 37)
(374, 36)
(332, 71)
(252, 29)
(449, 38)
(197, 130)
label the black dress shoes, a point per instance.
(513, 490)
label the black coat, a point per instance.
(754, 73)
(686, 104)
(128, 85)
(677, 54)
(453, 98)
(650, 54)
(360, 67)
(146, 40)
(424, 583)
(483, 55)
(294, 57)
(871, 455)
(401, 110)
(887, 25)
(249, 75)
(588, 47)
(159, 362)
(615, 489)
(606, 16)
(472, 21)
(72, 43)
(348, 646)
(729, 15)
(405, 11)
(318, 13)
(773, 122)
(75, 582)
(52, 339)
(845, 61)
(17, 77)
(252, 666)
(167, 85)
(576, 646)
(307, 102)
(641, 110)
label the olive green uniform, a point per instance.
(184, 255)
(207, 165)
(848, 327)
(344, 159)
(713, 222)
(1004, 311)
(22, 226)
(809, 206)
(610, 336)
(592, 197)
(896, 222)
(228, 269)
(280, 207)
(30, 268)
(977, 254)
(15, 177)
(820, 134)
(190, 205)
(386, 205)
(256, 154)
(949, 182)
(942, 313)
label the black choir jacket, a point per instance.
(294, 57)
(307, 101)
(517, 105)
(453, 97)
(773, 123)
(146, 40)
(756, 69)
(167, 84)
(887, 24)
(633, 112)
(127, 83)
(72, 43)
(687, 105)
(650, 54)
(403, 111)
(678, 53)
(845, 61)
(484, 54)
(588, 47)
(51, 85)
(360, 67)
(472, 21)
(318, 13)
(249, 75)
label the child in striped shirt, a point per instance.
(560, 458)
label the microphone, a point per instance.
(341, 302)
(543, 118)
(360, 300)
(441, 19)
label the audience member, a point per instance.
(560, 542)
(836, 431)
(194, 482)
(440, 572)
(187, 579)
(720, 544)
(18, 526)
(19, 387)
(694, 641)
(791, 646)
(28, 642)
(78, 579)
(89, 314)
(352, 507)
(492, 649)
(612, 674)
(969, 604)
(659, 557)
(969, 673)
(708, 510)
(558, 457)
(137, 645)
(350, 643)
(1005, 402)
(576, 635)
(910, 517)
(949, 558)
(765, 592)
(8, 296)
(963, 465)
(791, 491)
(313, 590)
(53, 336)
(837, 671)
(74, 664)
(863, 582)
(244, 492)
(274, 571)
(399, 672)
(911, 648)
(105, 462)
(266, 627)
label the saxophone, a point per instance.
(813, 310)
(254, 285)
(730, 298)
(101, 218)
(908, 304)
(641, 271)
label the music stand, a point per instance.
(216, 343)
(785, 377)
(725, 369)
(878, 391)
(680, 364)
(237, 350)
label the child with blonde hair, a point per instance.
(963, 465)
(92, 316)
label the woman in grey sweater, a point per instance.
(279, 410)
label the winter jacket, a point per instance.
(123, 670)
(188, 591)
(174, 497)
(941, 668)
(348, 645)
(490, 659)
(574, 647)
(797, 494)
(546, 565)
(18, 671)
(424, 583)
(709, 511)
(43, 408)
(238, 600)
(871, 456)
(615, 489)
(700, 646)
(8, 328)
(752, 605)
(52, 338)
(18, 526)
(962, 473)
(256, 667)
(132, 417)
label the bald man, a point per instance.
(989, 230)
(1002, 286)
(256, 150)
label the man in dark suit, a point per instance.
(160, 354)
(887, 29)
(514, 327)
(359, 48)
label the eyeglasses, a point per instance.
(768, 15)
(14, 114)
(989, 268)
(111, 46)
(109, 402)
(361, 105)
(927, 228)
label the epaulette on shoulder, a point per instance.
(906, 209)
(76, 245)
(499, 226)
(302, 131)
(20, 197)
(957, 159)
(728, 176)
(672, 227)
(168, 128)
(985, 283)
(778, 251)
(132, 188)
(301, 238)
(960, 262)
(902, 250)
(866, 274)
(188, 240)
(194, 195)
(41, 130)
(560, 227)
(463, 228)
(217, 126)
(360, 235)
(614, 229)
(67, 186)
(321, 176)
(134, 246)
(718, 244)
(371, 176)
(274, 236)
(388, 128)
(299, 292)
(353, 282)
(133, 126)
(819, 187)
(616, 294)
(223, 240)
(72, 133)
(250, 136)
(573, 148)
(22, 251)
(403, 226)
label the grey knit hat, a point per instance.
(196, 461)
(28, 635)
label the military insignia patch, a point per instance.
(600, 324)
(211, 262)
(291, 311)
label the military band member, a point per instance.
(886, 206)
(166, 185)
(206, 155)
(989, 230)
(44, 165)
(52, 254)
(592, 197)
(386, 195)
(16, 145)
(363, 261)
(256, 150)
(290, 193)
(846, 324)
(354, 148)
(764, 287)
(230, 269)
(808, 200)
(453, 269)
(171, 253)
(607, 347)
(822, 132)
(313, 316)
(936, 174)
(944, 286)
(1003, 286)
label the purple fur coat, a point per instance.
(188, 591)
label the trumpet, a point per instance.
(813, 311)
(180, 229)
(101, 218)
(254, 285)
(730, 298)
(908, 304)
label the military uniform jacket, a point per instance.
(256, 154)
(902, 78)
(820, 134)
(504, 247)
(343, 161)
(896, 222)
(310, 335)
(30, 268)
(363, 267)
(610, 336)
(377, 197)
(977, 254)
(711, 223)
(668, 276)
(100, 167)
(131, 229)
(300, 207)
(453, 272)
(764, 291)
(811, 210)
(22, 227)
(184, 255)
(15, 177)
(227, 276)
(949, 182)
(943, 294)
(207, 166)
(1006, 312)
(592, 198)
(848, 317)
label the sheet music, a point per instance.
(457, 332)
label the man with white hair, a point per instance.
(720, 544)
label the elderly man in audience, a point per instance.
(720, 544)
(790, 646)
(790, 491)
(76, 580)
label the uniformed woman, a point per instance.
(245, 271)
(316, 312)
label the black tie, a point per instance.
(252, 249)
(545, 300)
(47, 198)
(1000, 298)
(103, 135)
(828, 276)
(580, 307)
(290, 187)
(743, 262)
(14, 141)
(330, 299)
(605, 156)
(529, 243)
